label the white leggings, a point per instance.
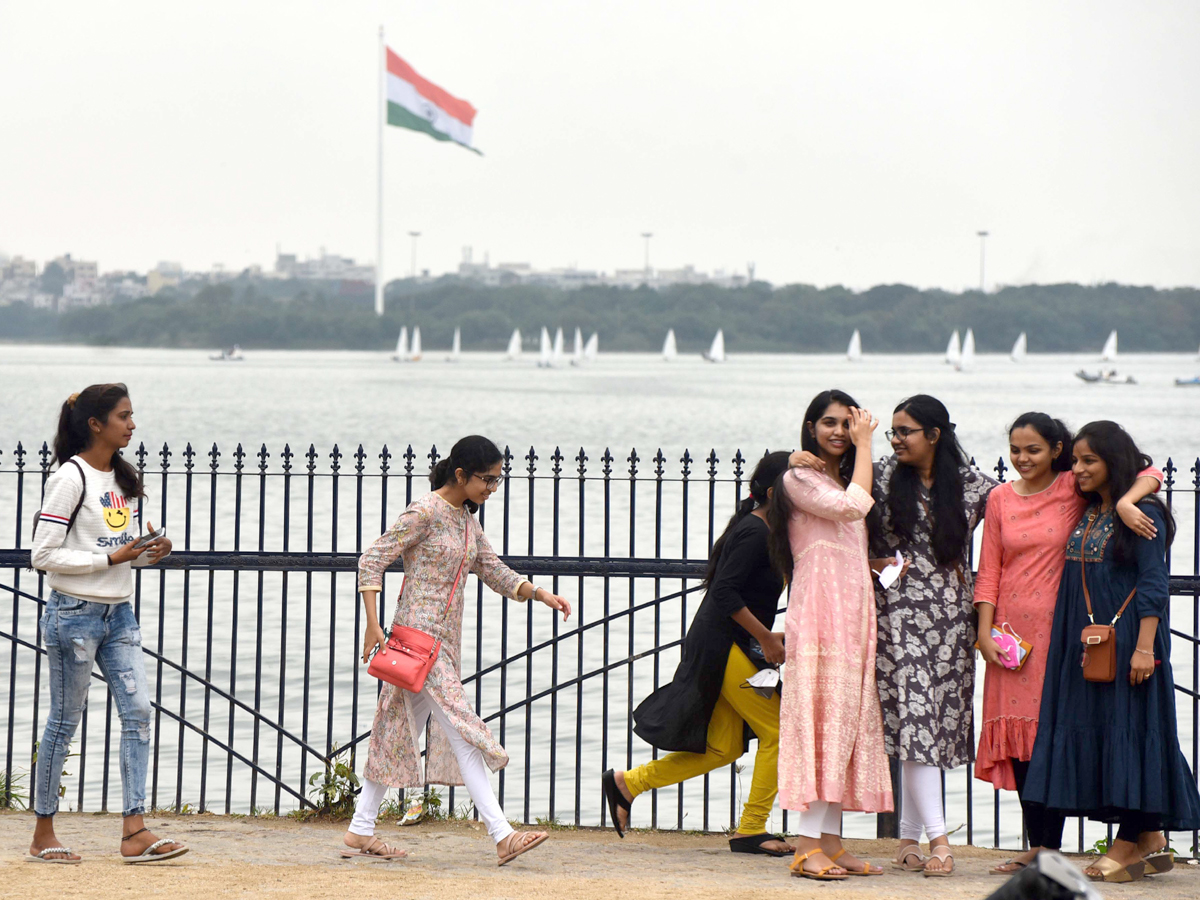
(921, 802)
(470, 762)
(821, 817)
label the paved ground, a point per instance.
(266, 857)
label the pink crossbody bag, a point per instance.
(407, 657)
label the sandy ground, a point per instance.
(266, 857)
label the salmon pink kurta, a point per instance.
(429, 535)
(830, 723)
(1020, 565)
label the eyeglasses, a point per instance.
(491, 482)
(903, 433)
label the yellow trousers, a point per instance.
(735, 706)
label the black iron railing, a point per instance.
(252, 628)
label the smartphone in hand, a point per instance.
(150, 537)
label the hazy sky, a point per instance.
(851, 143)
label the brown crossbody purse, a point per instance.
(1099, 660)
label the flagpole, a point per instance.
(382, 76)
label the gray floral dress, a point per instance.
(925, 662)
(429, 535)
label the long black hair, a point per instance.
(1124, 460)
(948, 530)
(764, 477)
(1053, 431)
(808, 440)
(74, 434)
(473, 454)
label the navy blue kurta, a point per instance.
(1105, 751)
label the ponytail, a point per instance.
(764, 477)
(74, 434)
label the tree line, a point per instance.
(258, 313)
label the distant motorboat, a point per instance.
(1020, 348)
(1109, 353)
(455, 347)
(854, 351)
(592, 348)
(1109, 376)
(401, 354)
(544, 352)
(1188, 382)
(716, 352)
(514, 345)
(669, 351)
(414, 352)
(953, 350)
(233, 354)
(968, 351)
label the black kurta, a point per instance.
(676, 716)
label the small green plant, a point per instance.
(552, 824)
(334, 788)
(1100, 847)
(13, 793)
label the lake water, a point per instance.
(621, 402)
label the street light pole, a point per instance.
(982, 243)
(646, 266)
(414, 235)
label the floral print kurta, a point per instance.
(830, 727)
(926, 659)
(429, 536)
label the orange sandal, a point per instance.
(867, 868)
(798, 870)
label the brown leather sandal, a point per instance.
(516, 844)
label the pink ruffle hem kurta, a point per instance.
(830, 723)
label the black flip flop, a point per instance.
(753, 843)
(616, 800)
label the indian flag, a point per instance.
(416, 103)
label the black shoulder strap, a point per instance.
(82, 493)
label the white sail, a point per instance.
(716, 352)
(854, 351)
(456, 347)
(669, 349)
(578, 354)
(1109, 353)
(592, 348)
(1020, 348)
(954, 350)
(544, 349)
(558, 347)
(414, 352)
(401, 353)
(514, 345)
(968, 351)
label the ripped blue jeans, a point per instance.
(78, 633)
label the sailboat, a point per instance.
(716, 353)
(557, 356)
(414, 352)
(544, 350)
(854, 351)
(401, 354)
(669, 350)
(953, 350)
(233, 354)
(514, 345)
(1109, 353)
(968, 351)
(456, 347)
(1019, 348)
(592, 348)
(577, 352)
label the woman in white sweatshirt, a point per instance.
(86, 539)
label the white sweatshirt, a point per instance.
(76, 561)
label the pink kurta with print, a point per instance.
(830, 724)
(1020, 565)
(429, 535)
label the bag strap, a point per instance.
(1087, 597)
(461, 565)
(82, 493)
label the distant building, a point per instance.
(573, 277)
(326, 267)
(76, 268)
(18, 268)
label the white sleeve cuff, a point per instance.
(99, 562)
